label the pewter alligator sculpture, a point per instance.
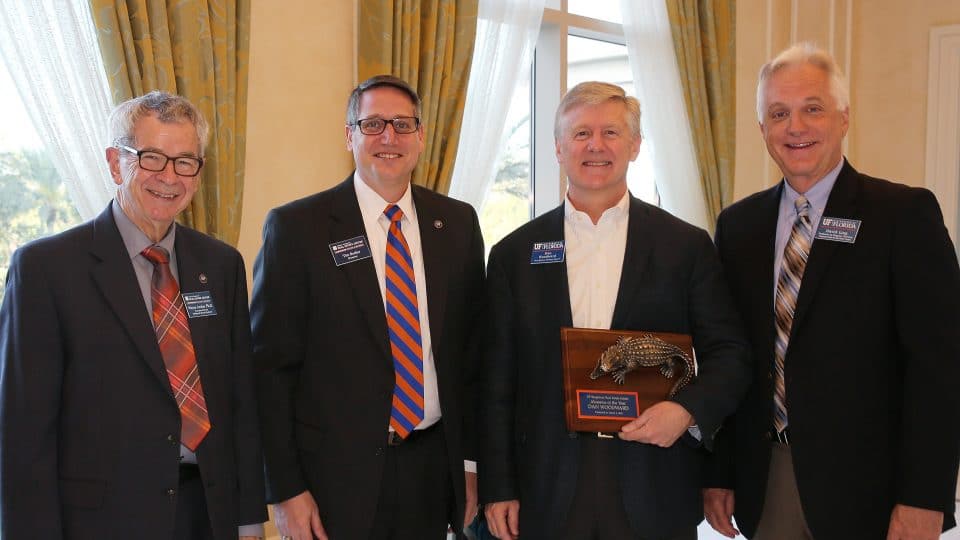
(646, 350)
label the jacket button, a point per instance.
(768, 436)
(171, 439)
(171, 492)
(379, 451)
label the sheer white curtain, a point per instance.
(51, 52)
(665, 124)
(506, 35)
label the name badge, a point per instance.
(350, 250)
(838, 229)
(198, 304)
(547, 252)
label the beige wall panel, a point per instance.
(301, 73)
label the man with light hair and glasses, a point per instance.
(849, 288)
(623, 265)
(126, 388)
(365, 312)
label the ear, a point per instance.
(113, 160)
(845, 120)
(421, 137)
(635, 148)
(348, 135)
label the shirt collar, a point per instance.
(615, 213)
(816, 195)
(135, 240)
(372, 204)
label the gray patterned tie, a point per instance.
(791, 274)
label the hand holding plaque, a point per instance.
(611, 376)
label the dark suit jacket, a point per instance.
(871, 366)
(322, 350)
(89, 427)
(671, 282)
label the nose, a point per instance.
(389, 134)
(796, 123)
(595, 142)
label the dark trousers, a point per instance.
(416, 493)
(597, 512)
(193, 520)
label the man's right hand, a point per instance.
(503, 519)
(299, 518)
(718, 509)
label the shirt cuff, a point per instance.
(694, 432)
(255, 529)
(470, 466)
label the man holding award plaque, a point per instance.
(604, 260)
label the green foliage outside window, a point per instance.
(33, 202)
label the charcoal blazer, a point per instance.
(871, 366)
(89, 426)
(321, 347)
(671, 282)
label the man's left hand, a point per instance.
(912, 523)
(470, 510)
(661, 424)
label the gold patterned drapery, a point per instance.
(705, 42)
(429, 44)
(198, 49)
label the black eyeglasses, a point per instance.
(375, 126)
(156, 161)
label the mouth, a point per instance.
(387, 155)
(800, 146)
(597, 163)
(164, 196)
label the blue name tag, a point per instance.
(838, 229)
(198, 304)
(547, 252)
(350, 250)
(605, 404)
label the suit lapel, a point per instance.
(554, 276)
(634, 262)
(115, 277)
(347, 222)
(760, 270)
(191, 263)
(434, 246)
(841, 203)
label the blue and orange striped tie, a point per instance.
(403, 325)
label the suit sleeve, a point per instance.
(475, 309)
(497, 469)
(31, 373)
(926, 295)
(278, 315)
(251, 508)
(720, 467)
(722, 350)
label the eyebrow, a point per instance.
(159, 151)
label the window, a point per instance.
(33, 199)
(571, 48)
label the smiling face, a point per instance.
(153, 199)
(802, 125)
(595, 147)
(385, 161)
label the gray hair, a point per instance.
(595, 93)
(379, 81)
(805, 53)
(168, 108)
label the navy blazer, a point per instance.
(89, 428)
(871, 366)
(671, 282)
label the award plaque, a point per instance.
(611, 376)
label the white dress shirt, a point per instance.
(376, 224)
(594, 255)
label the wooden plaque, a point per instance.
(602, 404)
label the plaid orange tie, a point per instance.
(176, 347)
(403, 325)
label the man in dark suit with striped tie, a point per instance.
(849, 288)
(365, 309)
(126, 391)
